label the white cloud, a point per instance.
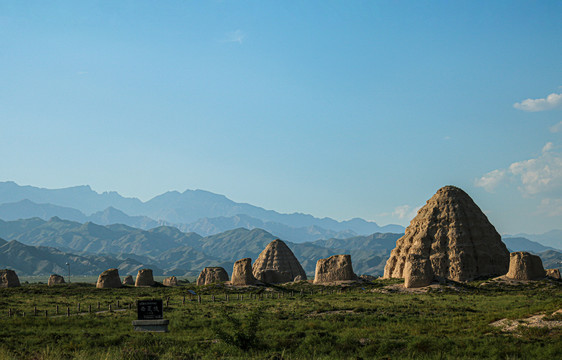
(539, 175)
(405, 211)
(550, 102)
(490, 180)
(551, 207)
(401, 211)
(556, 128)
(547, 147)
(401, 214)
(235, 36)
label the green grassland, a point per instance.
(293, 321)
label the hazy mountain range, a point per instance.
(181, 233)
(552, 238)
(193, 210)
(166, 248)
(38, 247)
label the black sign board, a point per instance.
(149, 309)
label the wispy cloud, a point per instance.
(405, 211)
(551, 207)
(236, 36)
(556, 128)
(552, 101)
(491, 180)
(542, 174)
(547, 147)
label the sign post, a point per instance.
(150, 316)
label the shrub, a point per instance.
(243, 332)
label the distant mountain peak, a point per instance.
(82, 204)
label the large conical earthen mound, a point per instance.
(277, 264)
(455, 236)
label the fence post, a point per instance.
(183, 301)
(67, 311)
(57, 311)
(35, 311)
(9, 312)
(199, 299)
(78, 308)
(46, 313)
(90, 308)
(213, 298)
(109, 307)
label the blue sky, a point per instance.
(340, 109)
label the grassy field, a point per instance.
(89, 279)
(296, 321)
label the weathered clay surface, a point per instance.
(553, 273)
(525, 266)
(9, 278)
(128, 280)
(277, 264)
(210, 275)
(271, 276)
(334, 268)
(299, 278)
(109, 279)
(417, 272)
(454, 234)
(55, 279)
(144, 278)
(170, 281)
(242, 273)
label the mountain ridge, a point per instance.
(174, 207)
(172, 251)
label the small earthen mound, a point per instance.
(525, 266)
(334, 268)
(55, 279)
(9, 278)
(144, 278)
(128, 280)
(210, 275)
(455, 236)
(553, 273)
(242, 273)
(366, 277)
(277, 264)
(418, 271)
(109, 279)
(170, 281)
